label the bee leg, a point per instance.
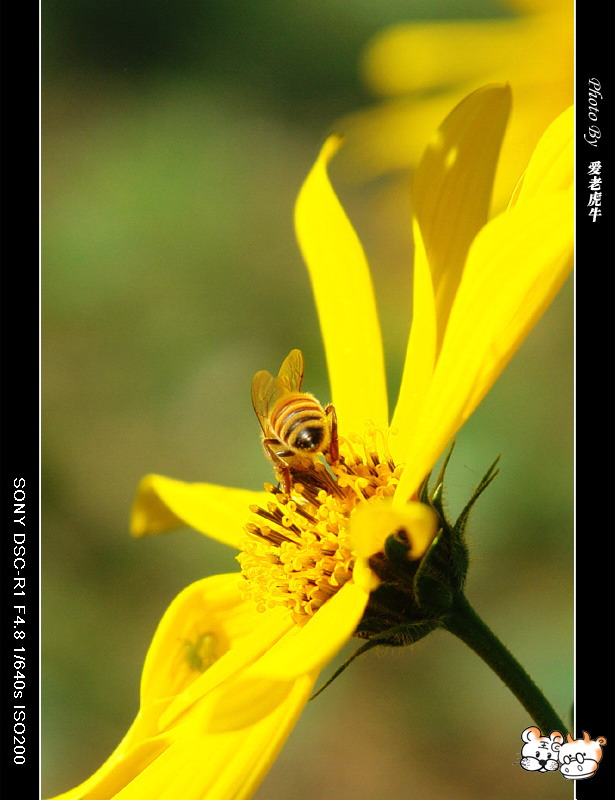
(334, 447)
(280, 467)
(285, 471)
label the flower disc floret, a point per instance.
(297, 552)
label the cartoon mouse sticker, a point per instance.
(575, 759)
(540, 753)
(579, 758)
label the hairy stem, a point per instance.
(465, 623)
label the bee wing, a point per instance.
(266, 389)
(262, 394)
(290, 376)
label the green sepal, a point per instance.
(390, 605)
(396, 549)
(397, 636)
(460, 558)
(415, 596)
(406, 634)
(390, 596)
(363, 649)
(459, 549)
(436, 498)
(423, 492)
(462, 519)
(444, 567)
(432, 583)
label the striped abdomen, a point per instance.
(298, 421)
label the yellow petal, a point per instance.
(117, 771)
(308, 648)
(220, 512)
(537, 6)
(529, 119)
(249, 762)
(515, 267)
(533, 54)
(415, 56)
(420, 354)
(192, 635)
(220, 766)
(452, 189)
(344, 299)
(207, 636)
(265, 630)
(246, 700)
(421, 55)
(196, 763)
(371, 525)
(206, 616)
(364, 576)
(550, 169)
(453, 184)
(391, 136)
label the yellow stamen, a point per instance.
(297, 551)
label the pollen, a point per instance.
(297, 552)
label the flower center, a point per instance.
(297, 552)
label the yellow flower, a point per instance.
(421, 69)
(235, 658)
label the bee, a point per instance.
(296, 428)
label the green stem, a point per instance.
(465, 623)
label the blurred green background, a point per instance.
(175, 138)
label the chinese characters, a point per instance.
(595, 190)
